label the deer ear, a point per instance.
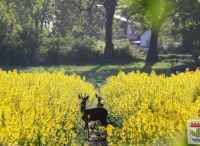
(80, 97)
(98, 96)
(87, 97)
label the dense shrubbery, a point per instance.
(87, 48)
(125, 51)
(43, 108)
(54, 50)
(50, 50)
(19, 49)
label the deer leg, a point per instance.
(86, 125)
(88, 132)
(87, 128)
(104, 122)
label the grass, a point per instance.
(98, 73)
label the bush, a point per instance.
(125, 51)
(87, 49)
(55, 50)
(19, 49)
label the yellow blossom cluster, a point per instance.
(44, 109)
(41, 108)
(148, 108)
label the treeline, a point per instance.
(36, 32)
(179, 17)
(46, 31)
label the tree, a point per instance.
(188, 22)
(110, 6)
(9, 27)
(155, 12)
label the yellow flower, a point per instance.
(143, 109)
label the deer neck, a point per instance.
(83, 107)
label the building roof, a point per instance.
(119, 17)
(143, 32)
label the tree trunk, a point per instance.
(36, 23)
(186, 42)
(152, 55)
(110, 6)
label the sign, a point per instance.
(193, 132)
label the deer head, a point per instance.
(83, 102)
(100, 101)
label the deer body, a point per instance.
(93, 114)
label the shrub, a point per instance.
(55, 50)
(87, 49)
(125, 51)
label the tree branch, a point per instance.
(79, 6)
(179, 5)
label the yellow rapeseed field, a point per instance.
(147, 108)
(41, 108)
(44, 109)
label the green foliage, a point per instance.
(187, 22)
(125, 51)
(87, 48)
(59, 50)
(54, 31)
(54, 50)
(170, 40)
(153, 12)
(41, 31)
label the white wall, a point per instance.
(145, 39)
(130, 33)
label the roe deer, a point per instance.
(100, 101)
(92, 114)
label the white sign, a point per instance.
(193, 131)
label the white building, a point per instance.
(129, 29)
(145, 39)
